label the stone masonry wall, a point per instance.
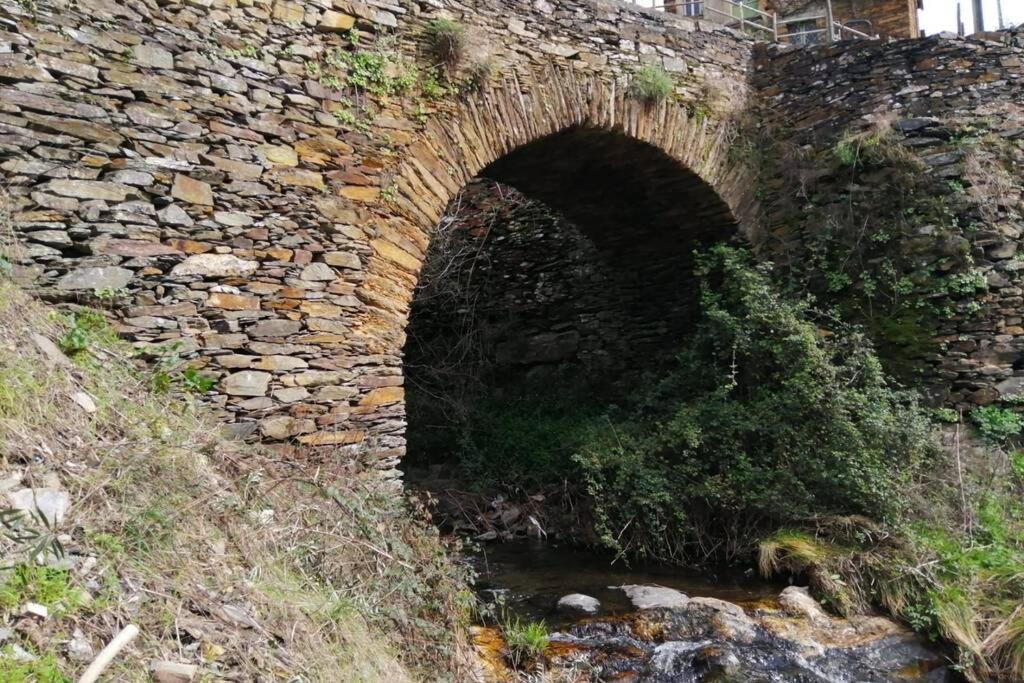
(942, 197)
(513, 294)
(256, 181)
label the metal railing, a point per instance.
(752, 19)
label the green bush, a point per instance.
(997, 425)
(651, 84)
(763, 422)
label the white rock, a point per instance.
(84, 401)
(580, 603)
(52, 503)
(34, 609)
(215, 265)
(655, 597)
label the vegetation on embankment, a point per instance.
(227, 557)
(777, 433)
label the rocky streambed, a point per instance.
(651, 633)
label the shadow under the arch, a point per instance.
(555, 285)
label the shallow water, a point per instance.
(531, 576)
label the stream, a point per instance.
(660, 624)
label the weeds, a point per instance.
(182, 524)
(525, 640)
(651, 84)
(446, 40)
(43, 669)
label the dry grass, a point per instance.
(249, 567)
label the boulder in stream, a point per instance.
(655, 597)
(578, 602)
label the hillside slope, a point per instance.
(234, 565)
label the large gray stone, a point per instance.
(111, 277)
(52, 503)
(247, 383)
(578, 602)
(655, 597)
(215, 265)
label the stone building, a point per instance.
(804, 20)
(887, 18)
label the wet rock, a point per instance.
(655, 597)
(577, 602)
(797, 601)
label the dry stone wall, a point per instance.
(513, 296)
(938, 126)
(255, 182)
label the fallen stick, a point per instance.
(108, 653)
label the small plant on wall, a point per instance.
(446, 40)
(651, 84)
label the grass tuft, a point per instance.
(651, 84)
(446, 39)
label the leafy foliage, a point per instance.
(997, 425)
(764, 421)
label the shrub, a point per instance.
(762, 423)
(447, 42)
(997, 425)
(651, 84)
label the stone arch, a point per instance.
(487, 134)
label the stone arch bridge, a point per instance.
(257, 181)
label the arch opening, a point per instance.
(557, 281)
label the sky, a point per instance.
(940, 15)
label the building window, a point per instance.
(693, 8)
(799, 32)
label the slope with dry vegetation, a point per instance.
(122, 505)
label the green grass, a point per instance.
(525, 640)
(651, 84)
(42, 669)
(43, 585)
